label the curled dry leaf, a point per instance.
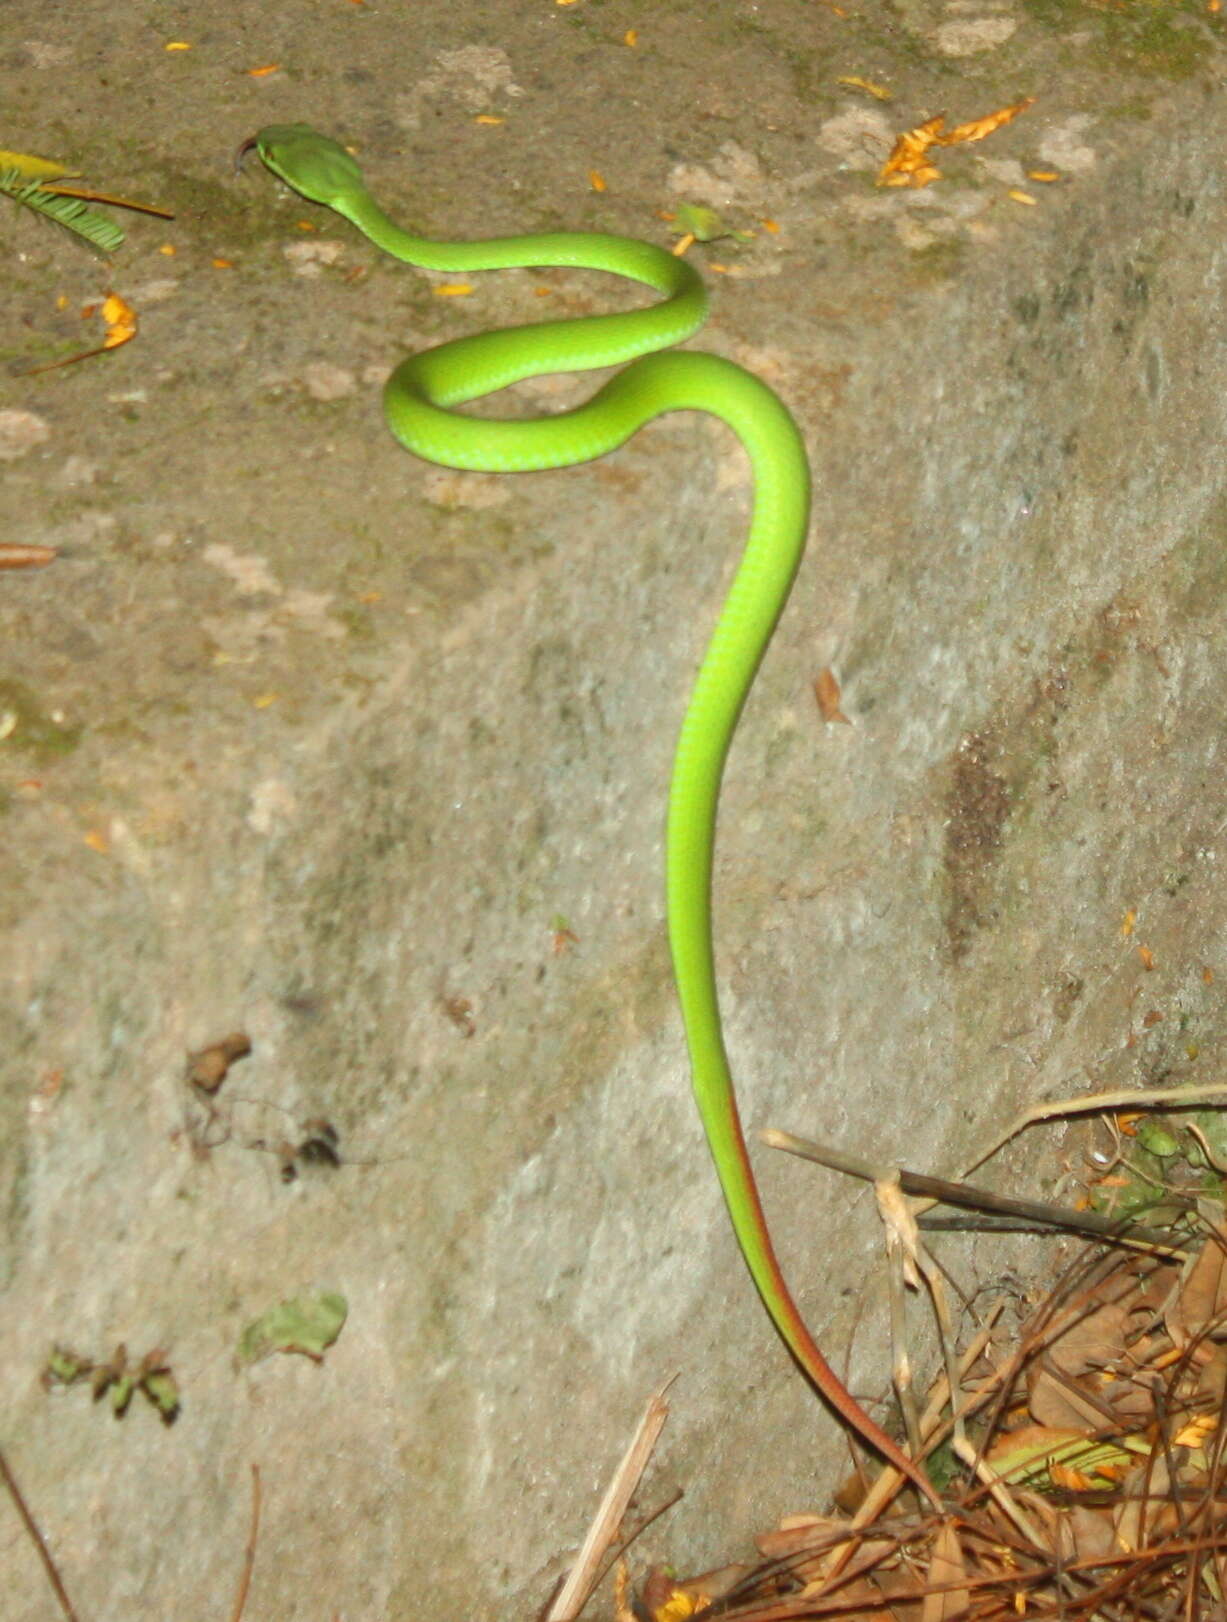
(909, 163)
(978, 128)
(207, 1069)
(827, 692)
(1201, 1301)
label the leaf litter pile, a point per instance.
(1083, 1473)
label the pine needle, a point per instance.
(69, 212)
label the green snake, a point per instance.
(420, 400)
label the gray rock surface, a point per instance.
(305, 738)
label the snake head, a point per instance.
(313, 164)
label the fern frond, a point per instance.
(69, 212)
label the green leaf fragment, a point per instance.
(308, 1324)
(1157, 1139)
(70, 212)
(1031, 1460)
(705, 225)
(163, 1393)
(121, 1389)
(64, 1367)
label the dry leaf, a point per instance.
(797, 1535)
(1202, 1298)
(121, 325)
(869, 86)
(120, 321)
(827, 692)
(1132, 1401)
(1132, 1513)
(909, 163)
(978, 128)
(946, 1567)
(1092, 1340)
(664, 1599)
(207, 1069)
(1061, 1406)
(1084, 1534)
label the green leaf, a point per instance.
(1157, 1139)
(159, 1386)
(308, 1324)
(1029, 1460)
(121, 1394)
(70, 212)
(64, 1367)
(704, 224)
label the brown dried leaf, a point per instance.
(1136, 1508)
(208, 1068)
(907, 158)
(826, 691)
(1153, 1292)
(909, 163)
(798, 1535)
(1201, 1300)
(1084, 1534)
(978, 128)
(1131, 1401)
(861, 1601)
(1092, 1340)
(917, 175)
(946, 1567)
(1060, 1406)
(704, 1590)
(1212, 1377)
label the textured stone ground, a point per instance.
(307, 739)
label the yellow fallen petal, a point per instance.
(34, 168)
(855, 82)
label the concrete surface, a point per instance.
(306, 739)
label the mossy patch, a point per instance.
(28, 727)
(1169, 41)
